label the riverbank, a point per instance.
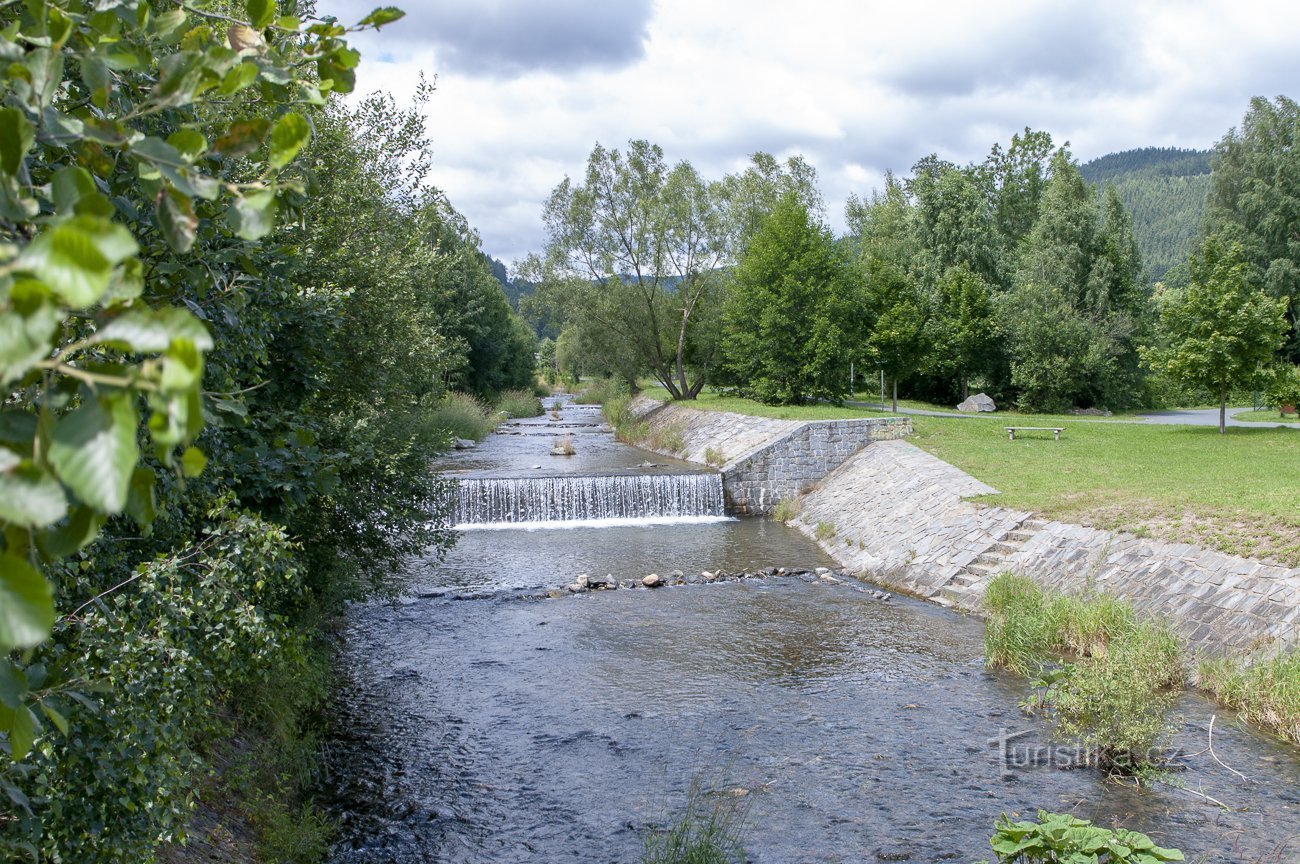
(902, 517)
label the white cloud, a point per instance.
(857, 88)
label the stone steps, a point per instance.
(966, 587)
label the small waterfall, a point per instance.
(482, 501)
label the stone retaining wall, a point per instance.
(762, 460)
(899, 519)
(898, 516)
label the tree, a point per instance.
(963, 332)
(632, 255)
(896, 342)
(1075, 290)
(1255, 200)
(789, 312)
(1219, 332)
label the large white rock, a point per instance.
(980, 402)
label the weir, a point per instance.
(489, 500)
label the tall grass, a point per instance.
(1116, 695)
(708, 831)
(519, 403)
(464, 416)
(1266, 692)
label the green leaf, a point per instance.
(252, 216)
(149, 331)
(26, 604)
(70, 185)
(243, 137)
(176, 220)
(93, 450)
(27, 331)
(141, 504)
(189, 143)
(22, 733)
(289, 135)
(76, 258)
(381, 16)
(29, 496)
(260, 12)
(56, 718)
(97, 78)
(81, 528)
(238, 78)
(193, 462)
(16, 138)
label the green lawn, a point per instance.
(1269, 415)
(1238, 492)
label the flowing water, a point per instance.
(556, 730)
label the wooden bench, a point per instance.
(1055, 430)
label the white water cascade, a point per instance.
(483, 502)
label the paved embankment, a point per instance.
(898, 516)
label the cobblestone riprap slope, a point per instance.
(898, 516)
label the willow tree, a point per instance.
(633, 254)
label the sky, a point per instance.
(526, 88)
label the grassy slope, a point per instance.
(1236, 492)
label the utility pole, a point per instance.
(852, 393)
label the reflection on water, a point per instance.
(557, 730)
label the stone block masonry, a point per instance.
(899, 517)
(762, 460)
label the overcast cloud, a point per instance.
(525, 88)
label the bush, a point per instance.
(1058, 838)
(464, 416)
(1266, 692)
(601, 390)
(1117, 703)
(519, 403)
(1284, 390)
(708, 831)
(785, 510)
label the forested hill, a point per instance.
(513, 290)
(1164, 188)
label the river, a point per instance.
(513, 727)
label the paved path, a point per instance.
(1192, 417)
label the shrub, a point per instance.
(1058, 838)
(714, 457)
(1266, 692)
(542, 388)
(708, 831)
(601, 390)
(785, 510)
(464, 416)
(1284, 390)
(825, 530)
(519, 403)
(1117, 703)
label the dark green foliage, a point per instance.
(271, 282)
(789, 314)
(1254, 201)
